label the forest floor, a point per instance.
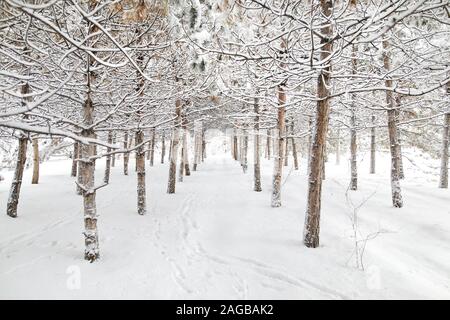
(217, 239)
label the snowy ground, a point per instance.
(217, 239)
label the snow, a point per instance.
(217, 239)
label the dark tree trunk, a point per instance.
(203, 146)
(256, 155)
(126, 155)
(14, 193)
(108, 160)
(353, 150)
(372, 146)
(397, 200)
(312, 221)
(294, 146)
(187, 170)
(353, 142)
(268, 144)
(113, 156)
(235, 146)
(152, 148)
(163, 147)
(75, 155)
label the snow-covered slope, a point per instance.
(216, 238)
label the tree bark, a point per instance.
(113, 156)
(312, 219)
(294, 146)
(309, 143)
(278, 157)
(152, 148)
(397, 200)
(268, 144)
(286, 147)
(235, 145)
(443, 181)
(140, 156)
(87, 164)
(353, 150)
(35, 178)
(203, 145)
(181, 166)
(108, 159)
(75, 155)
(14, 193)
(126, 155)
(163, 146)
(256, 152)
(174, 149)
(187, 170)
(197, 143)
(353, 141)
(372, 146)
(401, 173)
(244, 159)
(88, 186)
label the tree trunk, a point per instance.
(163, 147)
(88, 186)
(286, 147)
(443, 181)
(278, 157)
(181, 167)
(256, 152)
(353, 150)
(324, 159)
(170, 149)
(197, 142)
(397, 200)
(35, 178)
(310, 128)
(152, 148)
(401, 173)
(140, 156)
(187, 170)
(312, 219)
(372, 146)
(75, 155)
(108, 159)
(235, 145)
(268, 144)
(113, 156)
(353, 142)
(294, 146)
(244, 159)
(203, 146)
(14, 193)
(80, 176)
(174, 149)
(126, 155)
